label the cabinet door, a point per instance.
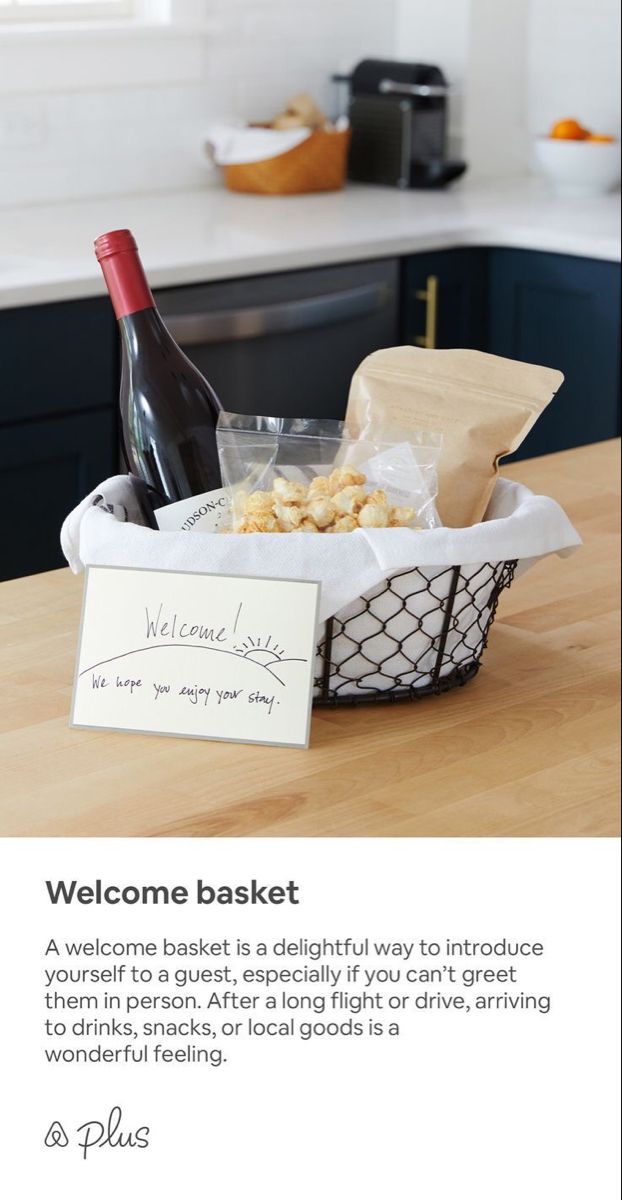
(46, 468)
(461, 300)
(563, 312)
(57, 358)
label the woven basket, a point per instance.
(316, 165)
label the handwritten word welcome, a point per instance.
(172, 627)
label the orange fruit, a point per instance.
(570, 130)
(599, 137)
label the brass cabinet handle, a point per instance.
(430, 295)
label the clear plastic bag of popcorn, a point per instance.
(298, 475)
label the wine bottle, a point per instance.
(168, 410)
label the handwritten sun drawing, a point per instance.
(265, 652)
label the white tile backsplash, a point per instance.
(87, 138)
(103, 115)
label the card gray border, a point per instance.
(195, 737)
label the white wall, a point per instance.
(574, 63)
(495, 129)
(72, 122)
(517, 65)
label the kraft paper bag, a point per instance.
(483, 405)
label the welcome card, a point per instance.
(191, 655)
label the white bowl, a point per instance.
(579, 168)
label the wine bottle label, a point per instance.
(208, 513)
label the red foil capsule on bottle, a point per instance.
(117, 255)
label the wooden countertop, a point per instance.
(529, 748)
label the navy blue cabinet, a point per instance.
(46, 468)
(57, 358)
(58, 423)
(445, 299)
(553, 309)
(563, 312)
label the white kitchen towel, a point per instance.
(518, 525)
(230, 143)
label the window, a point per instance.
(65, 10)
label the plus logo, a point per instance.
(109, 1133)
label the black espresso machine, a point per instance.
(398, 116)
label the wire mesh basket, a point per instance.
(420, 632)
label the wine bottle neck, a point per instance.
(123, 273)
(142, 326)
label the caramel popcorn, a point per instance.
(335, 503)
(375, 516)
(258, 502)
(350, 499)
(289, 493)
(263, 524)
(288, 515)
(320, 486)
(322, 511)
(343, 477)
(345, 524)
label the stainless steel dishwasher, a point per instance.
(286, 344)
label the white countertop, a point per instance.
(189, 237)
